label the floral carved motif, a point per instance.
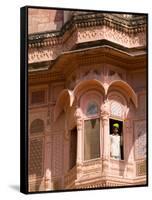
(140, 139)
(51, 50)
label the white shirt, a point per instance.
(115, 146)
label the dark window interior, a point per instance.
(73, 147)
(113, 121)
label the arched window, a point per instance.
(91, 139)
(117, 105)
(37, 126)
(92, 132)
(116, 122)
(92, 108)
(90, 104)
(116, 109)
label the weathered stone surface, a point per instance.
(94, 59)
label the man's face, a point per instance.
(115, 130)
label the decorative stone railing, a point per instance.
(91, 175)
(91, 169)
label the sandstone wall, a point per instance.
(40, 20)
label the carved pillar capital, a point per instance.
(78, 117)
(78, 113)
(105, 118)
(105, 110)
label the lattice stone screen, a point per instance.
(37, 126)
(140, 139)
(36, 157)
(141, 168)
(38, 97)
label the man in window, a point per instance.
(115, 142)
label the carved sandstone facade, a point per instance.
(86, 70)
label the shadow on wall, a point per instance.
(59, 19)
(15, 187)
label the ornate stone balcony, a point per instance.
(89, 27)
(94, 173)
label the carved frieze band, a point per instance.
(84, 30)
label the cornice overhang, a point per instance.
(103, 50)
(86, 28)
(67, 62)
(128, 25)
(131, 60)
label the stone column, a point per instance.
(106, 139)
(106, 145)
(78, 117)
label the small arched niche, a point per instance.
(37, 126)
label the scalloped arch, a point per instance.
(87, 85)
(127, 88)
(65, 97)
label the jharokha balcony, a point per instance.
(98, 173)
(87, 81)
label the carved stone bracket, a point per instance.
(105, 111)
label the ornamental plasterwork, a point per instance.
(94, 72)
(140, 139)
(43, 54)
(87, 35)
(87, 74)
(96, 33)
(50, 50)
(115, 76)
(48, 46)
(118, 105)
